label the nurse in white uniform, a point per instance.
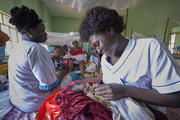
(126, 61)
(31, 71)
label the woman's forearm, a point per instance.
(153, 96)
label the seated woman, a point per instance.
(76, 52)
(60, 67)
(57, 58)
(124, 61)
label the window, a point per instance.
(10, 30)
(174, 41)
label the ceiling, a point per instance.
(64, 7)
(58, 9)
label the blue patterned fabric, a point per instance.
(74, 76)
(48, 87)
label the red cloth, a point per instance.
(76, 51)
(49, 109)
(157, 114)
(72, 104)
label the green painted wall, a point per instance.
(6, 5)
(46, 15)
(32, 4)
(37, 5)
(150, 17)
(65, 24)
(176, 29)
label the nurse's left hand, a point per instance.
(111, 91)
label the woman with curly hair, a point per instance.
(125, 61)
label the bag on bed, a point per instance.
(49, 109)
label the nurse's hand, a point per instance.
(111, 91)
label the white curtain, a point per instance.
(115, 4)
(61, 38)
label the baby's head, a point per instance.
(81, 87)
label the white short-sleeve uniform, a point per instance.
(144, 57)
(30, 70)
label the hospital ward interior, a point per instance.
(89, 60)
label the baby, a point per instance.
(88, 90)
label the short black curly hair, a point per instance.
(24, 18)
(97, 19)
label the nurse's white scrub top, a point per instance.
(30, 70)
(144, 57)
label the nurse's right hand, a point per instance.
(111, 91)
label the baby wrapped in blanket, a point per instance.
(123, 109)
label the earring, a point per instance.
(29, 35)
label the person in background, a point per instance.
(124, 61)
(60, 67)
(57, 58)
(65, 49)
(31, 71)
(75, 51)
